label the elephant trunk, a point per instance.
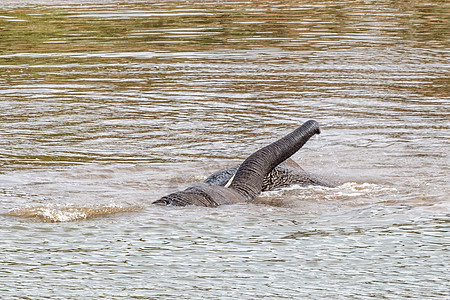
(248, 180)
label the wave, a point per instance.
(69, 212)
(349, 194)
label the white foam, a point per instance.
(346, 190)
(68, 212)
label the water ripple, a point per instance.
(106, 107)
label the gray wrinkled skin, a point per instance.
(285, 174)
(254, 174)
(202, 195)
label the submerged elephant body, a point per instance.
(266, 169)
(285, 174)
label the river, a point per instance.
(106, 106)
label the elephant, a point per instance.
(267, 168)
(285, 174)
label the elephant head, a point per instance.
(248, 181)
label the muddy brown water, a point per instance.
(107, 106)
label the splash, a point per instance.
(346, 189)
(68, 212)
(348, 194)
(353, 189)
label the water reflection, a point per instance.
(176, 26)
(105, 107)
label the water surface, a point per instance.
(107, 106)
